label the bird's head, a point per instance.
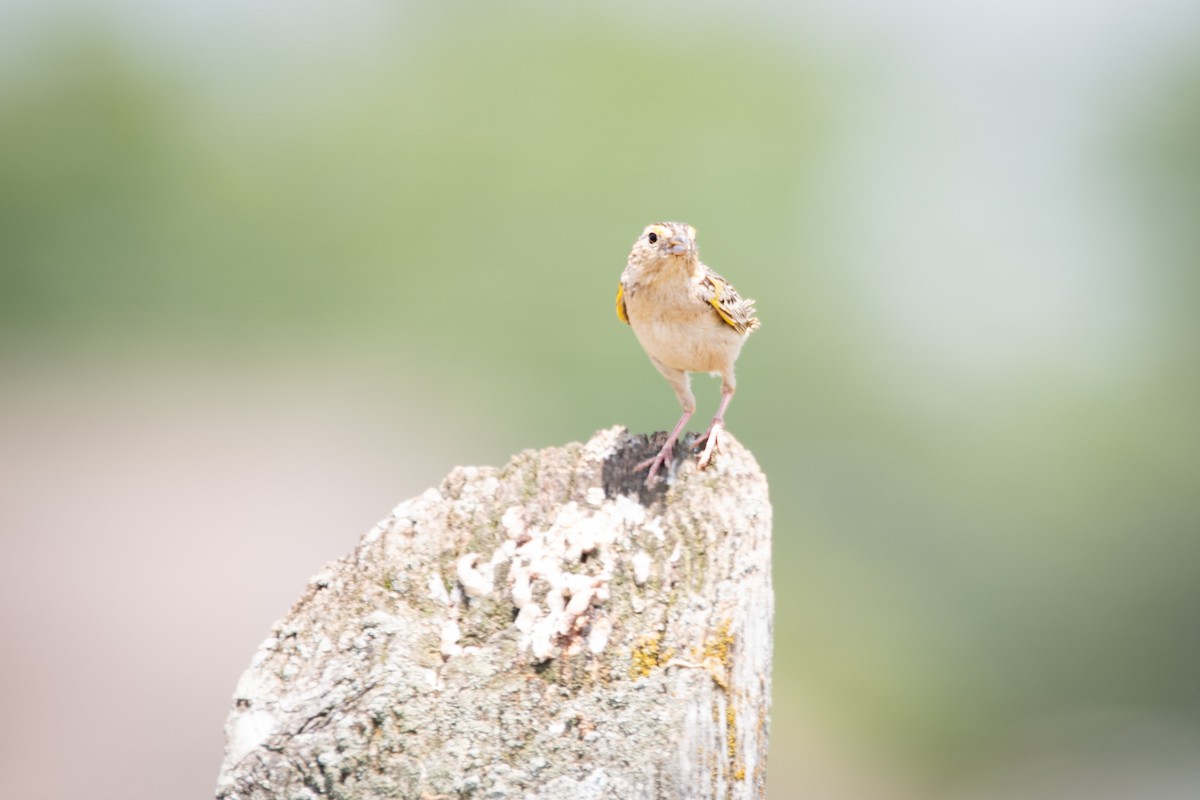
(665, 241)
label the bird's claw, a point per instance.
(655, 464)
(711, 441)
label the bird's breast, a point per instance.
(684, 333)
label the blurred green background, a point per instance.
(267, 271)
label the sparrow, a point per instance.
(687, 319)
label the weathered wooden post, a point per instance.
(549, 629)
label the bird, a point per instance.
(688, 319)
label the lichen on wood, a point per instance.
(549, 629)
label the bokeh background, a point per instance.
(268, 269)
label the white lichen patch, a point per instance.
(372, 536)
(383, 622)
(598, 638)
(522, 590)
(527, 617)
(513, 522)
(655, 529)
(437, 589)
(503, 553)
(580, 600)
(248, 730)
(641, 567)
(450, 636)
(476, 582)
(557, 574)
(602, 444)
(674, 557)
(630, 509)
(541, 638)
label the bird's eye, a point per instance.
(652, 236)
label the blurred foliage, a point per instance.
(437, 190)
(1161, 164)
(458, 208)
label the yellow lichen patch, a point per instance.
(720, 647)
(716, 655)
(760, 769)
(737, 769)
(647, 655)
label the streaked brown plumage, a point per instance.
(687, 319)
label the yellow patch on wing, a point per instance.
(621, 315)
(715, 302)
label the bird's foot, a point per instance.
(712, 441)
(656, 463)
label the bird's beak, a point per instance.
(679, 245)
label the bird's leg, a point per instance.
(656, 463)
(712, 436)
(682, 385)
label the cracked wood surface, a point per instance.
(548, 629)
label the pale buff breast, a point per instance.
(681, 331)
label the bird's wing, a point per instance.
(720, 294)
(621, 315)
